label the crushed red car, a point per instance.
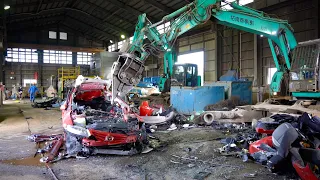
(94, 126)
(299, 145)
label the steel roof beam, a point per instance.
(40, 4)
(159, 6)
(106, 12)
(33, 27)
(79, 13)
(97, 20)
(83, 33)
(31, 18)
(87, 26)
(12, 6)
(34, 22)
(130, 9)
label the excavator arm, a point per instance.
(279, 33)
(127, 71)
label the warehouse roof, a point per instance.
(100, 19)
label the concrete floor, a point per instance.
(17, 162)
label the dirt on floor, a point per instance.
(188, 154)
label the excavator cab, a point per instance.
(185, 75)
(304, 74)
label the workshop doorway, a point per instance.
(194, 58)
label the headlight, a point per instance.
(77, 130)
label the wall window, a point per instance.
(84, 58)
(63, 36)
(271, 72)
(120, 44)
(131, 39)
(162, 28)
(241, 2)
(52, 35)
(29, 82)
(244, 2)
(57, 57)
(112, 48)
(226, 5)
(22, 55)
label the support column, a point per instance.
(219, 50)
(2, 61)
(40, 66)
(3, 41)
(255, 60)
(74, 59)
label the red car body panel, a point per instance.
(304, 172)
(254, 147)
(87, 92)
(106, 138)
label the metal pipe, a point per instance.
(240, 54)
(55, 149)
(246, 9)
(305, 43)
(317, 69)
(177, 12)
(51, 80)
(51, 172)
(156, 24)
(172, 15)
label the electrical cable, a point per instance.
(233, 59)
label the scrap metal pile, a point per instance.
(52, 102)
(282, 142)
(93, 126)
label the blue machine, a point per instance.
(145, 84)
(187, 100)
(155, 80)
(241, 89)
(231, 75)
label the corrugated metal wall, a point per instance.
(205, 41)
(247, 56)
(235, 55)
(303, 16)
(155, 64)
(229, 51)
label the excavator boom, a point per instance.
(127, 71)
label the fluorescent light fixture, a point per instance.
(6, 7)
(261, 35)
(111, 41)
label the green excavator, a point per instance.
(127, 70)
